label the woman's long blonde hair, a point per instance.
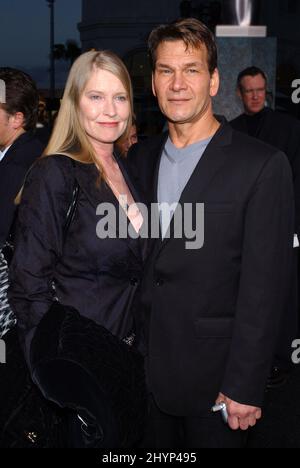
(68, 136)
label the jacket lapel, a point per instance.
(87, 176)
(156, 173)
(134, 192)
(153, 211)
(212, 161)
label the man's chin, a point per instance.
(178, 119)
(256, 110)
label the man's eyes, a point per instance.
(190, 71)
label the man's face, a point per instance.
(253, 93)
(182, 82)
(6, 130)
(130, 140)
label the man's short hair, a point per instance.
(250, 71)
(21, 95)
(192, 32)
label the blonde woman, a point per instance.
(94, 275)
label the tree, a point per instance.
(68, 51)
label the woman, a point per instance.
(98, 277)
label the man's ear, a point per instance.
(153, 87)
(214, 83)
(239, 93)
(17, 120)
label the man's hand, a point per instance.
(240, 416)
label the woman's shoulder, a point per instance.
(53, 162)
(55, 170)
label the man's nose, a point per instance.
(178, 82)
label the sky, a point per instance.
(24, 35)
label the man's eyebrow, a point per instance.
(186, 65)
(163, 65)
(193, 64)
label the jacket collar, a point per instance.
(212, 161)
(87, 176)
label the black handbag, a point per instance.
(81, 366)
(27, 420)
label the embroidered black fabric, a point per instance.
(81, 365)
(27, 420)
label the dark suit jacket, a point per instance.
(13, 168)
(283, 132)
(211, 316)
(98, 277)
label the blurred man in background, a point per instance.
(283, 132)
(18, 145)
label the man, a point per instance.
(283, 132)
(124, 144)
(211, 314)
(18, 146)
(275, 128)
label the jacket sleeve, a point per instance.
(265, 274)
(38, 244)
(295, 145)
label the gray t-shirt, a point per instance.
(175, 170)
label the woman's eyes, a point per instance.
(121, 98)
(97, 97)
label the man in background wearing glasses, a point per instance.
(283, 132)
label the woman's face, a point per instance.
(104, 107)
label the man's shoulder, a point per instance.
(239, 122)
(286, 120)
(237, 119)
(146, 152)
(151, 143)
(252, 151)
(25, 150)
